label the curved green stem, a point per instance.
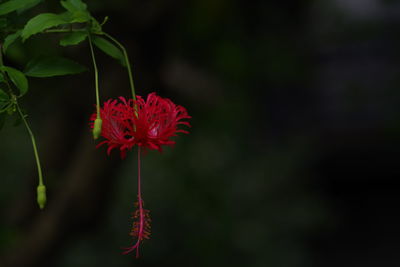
(6, 107)
(128, 64)
(33, 144)
(96, 77)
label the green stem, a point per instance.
(69, 31)
(6, 107)
(96, 77)
(33, 144)
(128, 65)
(64, 30)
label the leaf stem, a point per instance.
(128, 65)
(64, 30)
(6, 107)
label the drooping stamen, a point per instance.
(141, 226)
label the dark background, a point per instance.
(292, 159)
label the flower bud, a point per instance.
(97, 128)
(41, 196)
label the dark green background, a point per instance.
(292, 158)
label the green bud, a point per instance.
(41, 196)
(97, 128)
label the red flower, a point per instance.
(148, 124)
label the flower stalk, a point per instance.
(128, 64)
(98, 122)
(41, 189)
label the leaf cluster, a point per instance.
(74, 25)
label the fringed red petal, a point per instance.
(149, 124)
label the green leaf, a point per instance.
(11, 38)
(1, 77)
(74, 5)
(42, 22)
(13, 5)
(110, 49)
(25, 8)
(73, 38)
(18, 79)
(4, 96)
(54, 66)
(95, 26)
(80, 17)
(77, 10)
(4, 101)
